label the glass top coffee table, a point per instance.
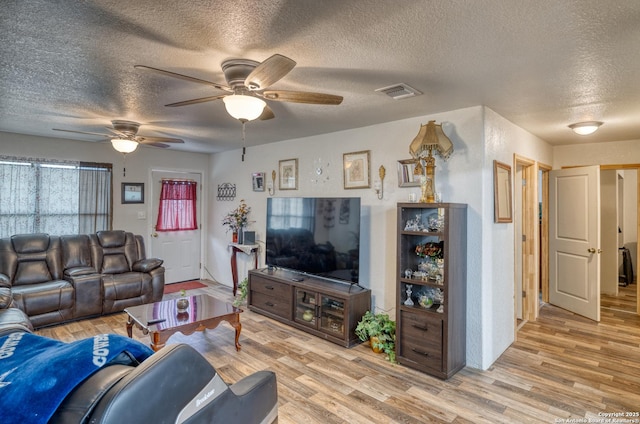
(162, 319)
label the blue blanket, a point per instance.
(37, 373)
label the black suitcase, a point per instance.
(626, 277)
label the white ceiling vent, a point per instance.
(399, 91)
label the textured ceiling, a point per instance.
(542, 64)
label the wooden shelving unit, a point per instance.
(432, 339)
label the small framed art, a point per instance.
(288, 174)
(502, 192)
(132, 193)
(257, 179)
(357, 172)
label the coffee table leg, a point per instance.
(130, 327)
(235, 323)
(158, 340)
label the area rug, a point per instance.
(185, 285)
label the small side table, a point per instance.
(247, 249)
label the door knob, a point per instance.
(154, 234)
(591, 250)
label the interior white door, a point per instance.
(574, 240)
(180, 250)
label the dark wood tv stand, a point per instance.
(324, 308)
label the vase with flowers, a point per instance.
(433, 253)
(236, 220)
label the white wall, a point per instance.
(479, 135)
(138, 169)
(502, 139)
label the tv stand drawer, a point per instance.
(275, 306)
(270, 287)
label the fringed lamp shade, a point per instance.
(431, 138)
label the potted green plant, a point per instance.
(380, 330)
(241, 295)
(242, 292)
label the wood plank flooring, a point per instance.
(562, 366)
(624, 301)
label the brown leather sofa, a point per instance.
(55, 279)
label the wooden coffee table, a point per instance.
(161, 319)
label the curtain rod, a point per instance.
(178, 179)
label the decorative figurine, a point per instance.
(408, 302)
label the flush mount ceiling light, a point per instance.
(585, 128)
(123, 145)
(244, 108)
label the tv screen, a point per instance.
(315, 235)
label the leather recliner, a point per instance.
(174, 385)
(32, 265)
(128, 279)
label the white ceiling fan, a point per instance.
(125, 139)
(248, 85)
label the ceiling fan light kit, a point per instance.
(585, 128)
(244, 108)
(124, 146)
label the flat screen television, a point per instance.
(315, 235)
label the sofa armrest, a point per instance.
(4, 281)
(5, 298)
(147, 265)
(78, 271)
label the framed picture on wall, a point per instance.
(288, 174)
(132, 193)
(357, 172)
(257, 180)
(502, 192)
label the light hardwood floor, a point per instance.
(562, 366)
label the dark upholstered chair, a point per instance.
(174, 385)
(31, 262)
(128, 278)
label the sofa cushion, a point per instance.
(30, 243)
(75, 251)
(50, 296)
(111, 238)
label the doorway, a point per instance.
(621, 294)
(180, 250)
(527, 241)
(630, 296)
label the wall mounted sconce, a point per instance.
(378, 186)
(271, 186)
(585, 128)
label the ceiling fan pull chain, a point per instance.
(244, 148)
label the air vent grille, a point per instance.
(399, 91)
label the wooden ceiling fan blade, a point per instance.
(269, 72)
(83, 132)
(156, 144)
(151, 140)
(196, 101)
(302, 97)
(267, 113)
(184, 77)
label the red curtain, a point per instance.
(177, 211)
